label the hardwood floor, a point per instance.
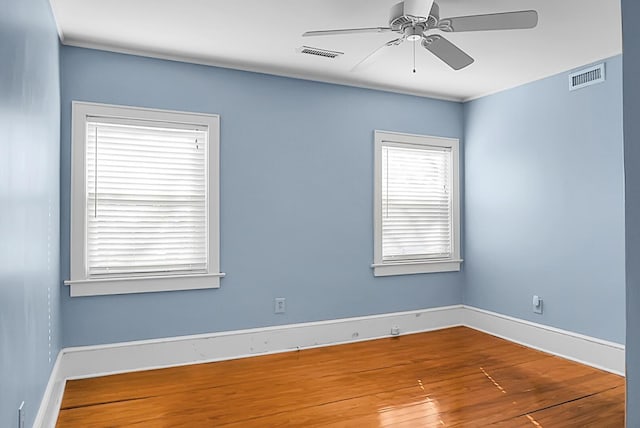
(454, 377)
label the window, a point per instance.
(144, 200)
(416, 208)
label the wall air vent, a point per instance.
(586, 77)
(320, 52)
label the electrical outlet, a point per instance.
(537, 304)
(280, 306)
(21, 415)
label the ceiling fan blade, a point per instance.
(376, 52)
(449, 53)
(493, 21)
(347, 31)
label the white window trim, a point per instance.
(79, 284)
(387, 268)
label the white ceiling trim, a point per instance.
(301, 76)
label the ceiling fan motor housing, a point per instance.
(417, 10)
(411, 12)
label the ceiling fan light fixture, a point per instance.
(414, 33)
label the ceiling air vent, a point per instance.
(320, 52)
(586, 77)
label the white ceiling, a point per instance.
(265, 36)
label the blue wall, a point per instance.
(29, 202)
(296, 198)
(543, 210)
(631, 45)
(544, 204)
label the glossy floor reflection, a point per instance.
(426, 411)
(453, 377)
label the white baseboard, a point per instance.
(52, 398)
(88, 361)
(91, 361)
(601, 354)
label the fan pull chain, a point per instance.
(414, 56)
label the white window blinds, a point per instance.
(416, 203)
(146, 196)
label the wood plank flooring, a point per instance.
(456, 377)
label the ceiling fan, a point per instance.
(415, 19)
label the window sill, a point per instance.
(147, 284)
(413, 267)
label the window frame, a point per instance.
(426, 265)
(79, 282)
